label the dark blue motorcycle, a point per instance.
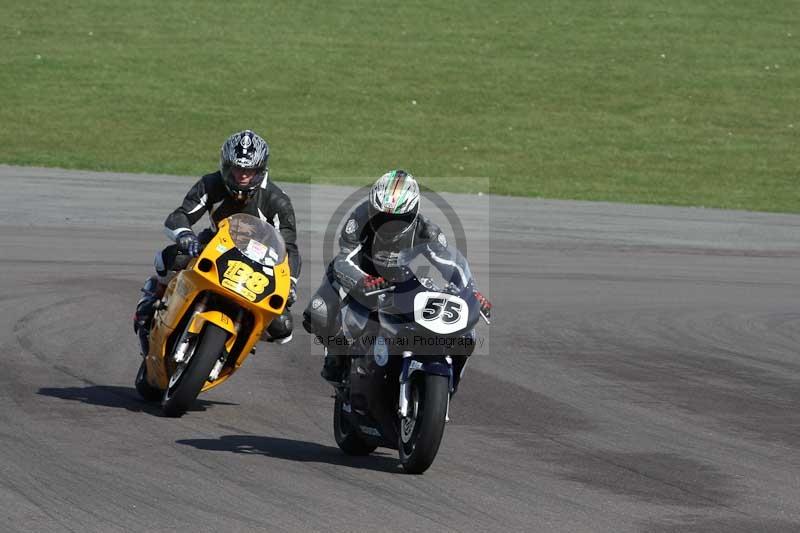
(406, 357)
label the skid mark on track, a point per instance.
(693, 524)
(661, 478)
(22, 330)
(535, 422)
(51, 329)
(484, 400)
(651, 477)
(719, 366)
(39, 323)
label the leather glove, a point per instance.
(188, 244)
(292, 298)
(372, 283)
(486, 305)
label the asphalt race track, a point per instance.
(641, 374)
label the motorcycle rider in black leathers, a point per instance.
(385, 224)
(241, 185)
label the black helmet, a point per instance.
(394, 205)
(247, 150)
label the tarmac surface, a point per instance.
(641, 374)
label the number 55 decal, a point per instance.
(440, 313)
(450, 310)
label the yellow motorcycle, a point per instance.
(213, 313)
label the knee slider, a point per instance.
(281, 327)
(150, 285)
(315, 316)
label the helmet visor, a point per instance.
(242, 179)
(388, 226)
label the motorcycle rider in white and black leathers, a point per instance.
(387, 223)
(242, 185)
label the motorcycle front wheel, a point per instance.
(421, 431)
(145, 390)
(189, 377)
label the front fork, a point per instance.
(179, 354)
(223, 357)
(183, 345)
(411, 365)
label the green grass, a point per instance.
(682, 102)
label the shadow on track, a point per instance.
(294, 450)
(118, 397)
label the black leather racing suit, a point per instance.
(362, 254)
(209, 195)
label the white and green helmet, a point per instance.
(394, 204)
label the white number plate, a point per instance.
(440, 313)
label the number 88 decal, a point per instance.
(239, 272)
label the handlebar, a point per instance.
(380, 291)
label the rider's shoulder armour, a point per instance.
(430, 233)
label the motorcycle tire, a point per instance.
(145, 390)
(180, 396)
(421, 432)
(348, 439)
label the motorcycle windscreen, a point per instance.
(435, 267)
(257, 239)
(436, 282)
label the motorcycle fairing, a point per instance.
(245, 277)
(215, 317)
(201, 276)
(413, 296)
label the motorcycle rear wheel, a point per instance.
(180, 395)
(421, 432)
(347, 437)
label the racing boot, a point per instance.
(152, 292)
(333, 367)
(279, 330)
